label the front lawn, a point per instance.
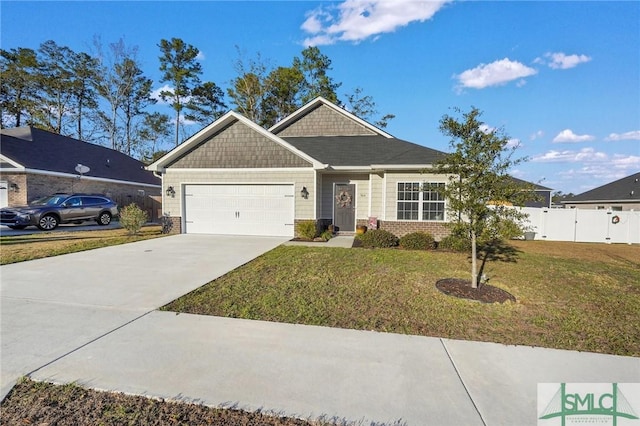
(19, 248)
(569, 296)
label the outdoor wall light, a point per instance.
(304, 193)
(14, 187)
(171, 192)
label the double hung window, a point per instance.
(420, 201)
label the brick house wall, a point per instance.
(399, 229)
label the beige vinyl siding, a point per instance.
(377, 195)
(172, 206)
(361, 198)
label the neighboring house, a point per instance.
(321, 163)
(623, 194)
(36, 163)
(542, 194)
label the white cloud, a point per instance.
(486, 129)
(494, 74)
(536, 135)
(559, 60)
(156, 94)
(357, 20)
(584, 155)
(514, 143)
(568, 136)
(627, 136)
(200, 56)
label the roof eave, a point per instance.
(627, 200)
(12, 162)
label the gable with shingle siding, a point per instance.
(324, 121)
(239, 146)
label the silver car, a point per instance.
(48, 212)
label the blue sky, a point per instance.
(562, 78)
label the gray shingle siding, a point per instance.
(239, 146)
(324, 121)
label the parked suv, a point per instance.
(48, 212)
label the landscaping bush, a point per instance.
(326, 235)
(307, 229)
(418, 241)
(132, 218)
(378, 238)
(455, 242)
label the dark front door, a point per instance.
(344, 210)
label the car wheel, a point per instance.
(17, 226)
(48, 222)
(104, 218)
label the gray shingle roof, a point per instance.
(625, 189)
(358, 151)
(41, 150)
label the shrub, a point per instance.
(307, 229)
(455, 242)
(132, 218)
(326, 235)
(378, 238)
(418, 241)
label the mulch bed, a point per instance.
(485, 293)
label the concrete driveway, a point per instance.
(52, 307)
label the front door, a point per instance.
(344, 207)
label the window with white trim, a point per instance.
(420, 201)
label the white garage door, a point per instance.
(239, 209)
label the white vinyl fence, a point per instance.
(581, 225)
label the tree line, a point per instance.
(103, 96)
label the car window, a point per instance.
(54, 200)
(92, 201)
(74, 202)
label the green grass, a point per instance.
(569, 297)
(46, 244)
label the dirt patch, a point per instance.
(35, 403)
(485, 293)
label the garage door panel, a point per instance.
(240, 209)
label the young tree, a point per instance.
(180, 68)
(479, 192)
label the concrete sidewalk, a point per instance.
(313, 371)
(344, 241)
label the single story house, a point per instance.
(542, 194)
(620, 195)
(35, 163)
(321, 163)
